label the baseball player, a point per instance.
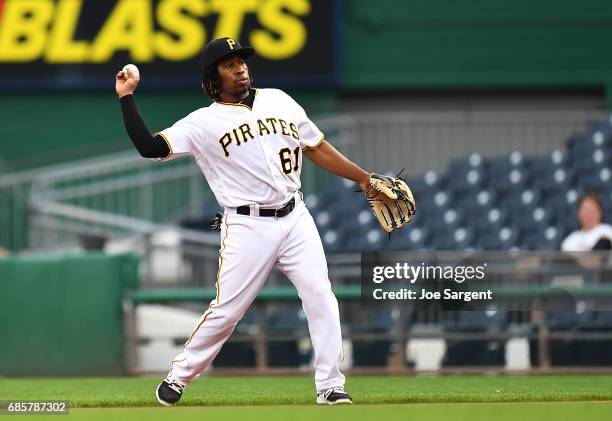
(249, 144)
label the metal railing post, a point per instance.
(261, 339)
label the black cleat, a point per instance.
(169, 391)
(334, 396)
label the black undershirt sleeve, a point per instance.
(147, 145)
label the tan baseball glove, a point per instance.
(391, 201)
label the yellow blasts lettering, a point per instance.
(291, 31)
(129, 27)
(23, 29)
(61, 47)
(190, 34)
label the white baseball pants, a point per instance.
(250, 247)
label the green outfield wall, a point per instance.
(62, 315)
(476, 43)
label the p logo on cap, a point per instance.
(218, 48)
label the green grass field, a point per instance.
(292, 398)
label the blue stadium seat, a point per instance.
(447, 219)
(478, 202)
(365, 239)
(336, 194)
(350, 213)
(324, 219)
(530, 197)
(545, 165)
(602, 157)
(452, 235)
(563, 208)
(464, 183)
(521, 202)
(430, 181)
(382, 320)
(493, 319)
(497, 216)
(567, 319)
(332, 240)
(442, 199)
(410, 238)
(376, 239)
(355, 241)
(599, 182)
(464, 238)
(443, 241)
(423, 186)
(560, 158)
(596, 352)
(506, 238)
(535, 219)
(448, 232)
(476, 352)
(502, 166)
(591, 162)
(604, 127)
(555, 184)
(432, 206)
(566, 206)
(581, 144)
(601, 320)
(548, 238)
(287, 319)
(464, 165)
(516, 180)
(488, 223)
(374, 353)
(597, 138)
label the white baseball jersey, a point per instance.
(248, 156)
(585, 240)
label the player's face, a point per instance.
(589, 214)
(234, 73)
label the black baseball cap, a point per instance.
(219, 48)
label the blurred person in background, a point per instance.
(593, 233)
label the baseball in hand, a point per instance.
(131, 70)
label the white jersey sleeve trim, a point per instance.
(315, 146)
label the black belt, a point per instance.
(279, 212)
